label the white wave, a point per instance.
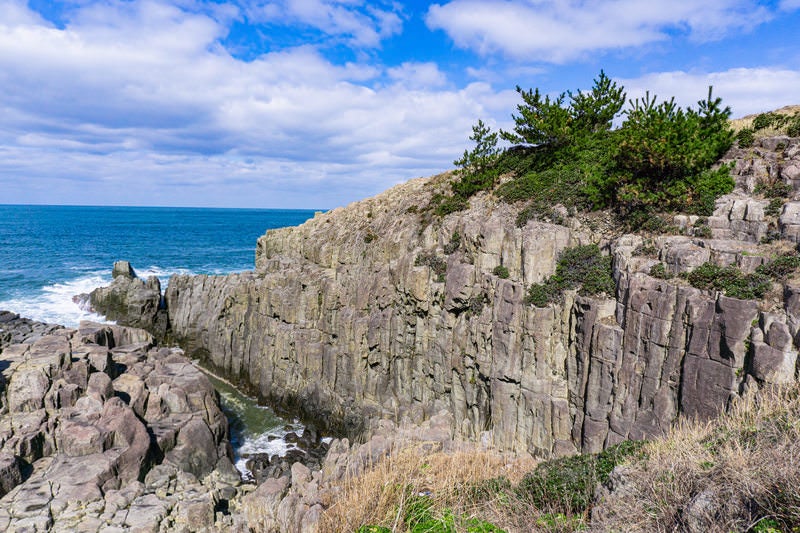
(54, 303)
(271, 443)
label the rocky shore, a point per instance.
(102, 431)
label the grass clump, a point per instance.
(583, 267)
(731, 474)
(412, 490)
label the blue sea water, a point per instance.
(48, 254)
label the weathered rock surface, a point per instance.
(100, 431)
(131, 301)
(342, 320)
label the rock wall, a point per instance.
(373, 311)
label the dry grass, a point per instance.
(738, 473)
(452, 481)
(739, 124)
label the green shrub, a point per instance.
(774, 207)
(702, 231)
(645, 219)
(584, 267)
(500, 271)
(442, 205)
(454, 244)
(730, 280)
(780, 268)
(567, 485)
(765, 120)
(793, 129)
(746, 138)
(659, 270)
(373, 529)
(773, 190)
(437, 264)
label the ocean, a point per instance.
(49, 254)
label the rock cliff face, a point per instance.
(371, 311)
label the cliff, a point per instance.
(377, 311)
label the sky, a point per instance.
(318, 103)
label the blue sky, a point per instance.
(317, 103)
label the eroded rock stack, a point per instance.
(100, 431)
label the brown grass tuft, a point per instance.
(381, 495)
(728, 475)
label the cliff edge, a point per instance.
(378, 310)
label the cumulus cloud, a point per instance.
(143, 92)
(559, 30)
(746, 90)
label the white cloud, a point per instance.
(415, 75)
(560, 30)
(141, 92)
(789, 5)
(362, 23)
(745, 90)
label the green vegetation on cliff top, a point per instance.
(566, 151)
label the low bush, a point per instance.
(774, 207)
(567, 485)
(730, 280)
(501, 272)
(437, 264)
(583, 267)
(780, 268)
(659, 270)
(746, 138)
(773, 189)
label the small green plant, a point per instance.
(773, 189)
(437, 264)
(584, 267)
(369, 237)
(746, 137)
(659, 270)
(373, 529)
(501, 272)
(702, 231)
(454, 244)
(774, 207)
(793, 129)
(647, 248)
(780, 268)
